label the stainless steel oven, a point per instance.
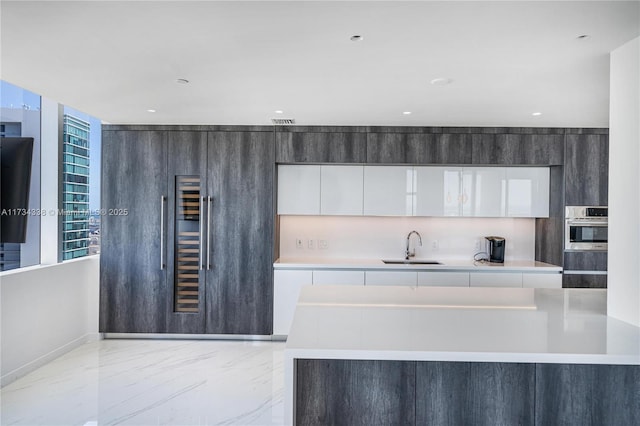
(586, 228)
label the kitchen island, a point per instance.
(434, 355)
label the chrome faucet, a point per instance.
(408, 253)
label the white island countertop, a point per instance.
(460, 324)
(445, 265)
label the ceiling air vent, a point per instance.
(283, 121)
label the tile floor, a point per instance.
(152, 382)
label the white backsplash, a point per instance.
(385, 237)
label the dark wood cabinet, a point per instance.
(321, 147)
(580, 262)
(346, 392)
(518, 149)
(584, 281)
(195, 252)
(460, 146)
(585, 260)
(587, 395)
(240, 281)
(133, 285)
(586, 170)
(419, 148)
(586, 180)
(463, 393)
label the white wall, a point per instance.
(623, 296)
(46, 311)
(385, 237)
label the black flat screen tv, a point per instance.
(15, 156)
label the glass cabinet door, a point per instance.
(188, 250)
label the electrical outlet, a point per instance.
(477, 246)
(311, 244)
(299, 245)
(435, 245)
(323, 244)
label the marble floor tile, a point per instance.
(152, 382)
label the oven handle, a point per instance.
(586, 222)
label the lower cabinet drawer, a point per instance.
(321, 277)
(584, 281)
(541, 280)
(444, 279)
(495, 279)
(391, 278)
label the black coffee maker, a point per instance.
(495, 249)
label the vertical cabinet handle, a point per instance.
(202, 201)
(210, 199)
(163, 199)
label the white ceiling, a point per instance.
(245, 60)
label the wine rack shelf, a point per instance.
(188, 244)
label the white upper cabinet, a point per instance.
(527, 192)
(483, 191)
(341, 190)
(299, 190)
(388, 191)
(437, 191)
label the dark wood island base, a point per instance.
(368, 392)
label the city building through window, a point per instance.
(80, 184)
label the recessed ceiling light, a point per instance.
(357, 38)
(583, 37)
(182, 81)
(441, 81)
(151, 110)
(407, 112)
(279, 111)
(536, 114)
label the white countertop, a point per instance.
(446, 265)
(460, 324)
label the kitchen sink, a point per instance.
(410, 262)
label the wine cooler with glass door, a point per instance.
(188, 243)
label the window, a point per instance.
(79, 172)
(80, 184)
